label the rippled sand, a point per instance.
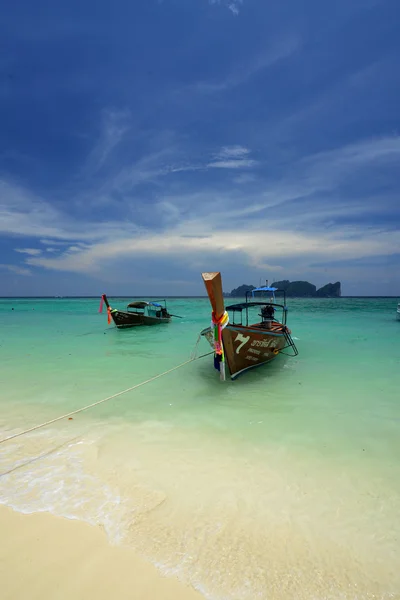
(42, 556)
(220, 516)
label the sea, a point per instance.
(284, 484)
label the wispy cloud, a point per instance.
(232, 5)
(114, 126)
(367, 152)
(304, 181)
(24, 214)
(231, 164)
(171, 161)
(287, 212)
(54, 243)
(245, 178)
(16, 269)
(232, 157)
(279, 50)
(233, 152)
(30, 251)
(249, 243)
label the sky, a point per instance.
(145, 141)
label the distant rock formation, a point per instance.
(295, 289)
(240, 291)
(300, 289)
(330, 290)
(304, 289)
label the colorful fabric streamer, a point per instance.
(217, 326)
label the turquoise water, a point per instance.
(282, 484)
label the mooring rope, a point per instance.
(79, 410)
(193, 355)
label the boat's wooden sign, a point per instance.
(247, 347)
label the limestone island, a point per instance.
(295, 289)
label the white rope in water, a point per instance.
(79, 410)
(193, 355)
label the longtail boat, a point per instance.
(137, 313)
(241, 345)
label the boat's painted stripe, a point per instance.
(208, 330)
(255, 331)
(236, 375)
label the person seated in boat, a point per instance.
(267, 315)
(164, 313)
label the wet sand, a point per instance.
(47, 557)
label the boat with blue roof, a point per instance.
(239, 342)
(137, 313)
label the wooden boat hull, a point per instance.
(125, 319)
(249, 347)
(244, 346)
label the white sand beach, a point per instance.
(46, 557)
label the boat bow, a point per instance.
(219, 317)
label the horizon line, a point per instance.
(179, 296)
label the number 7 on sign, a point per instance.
(243, 339)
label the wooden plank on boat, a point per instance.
(250, 347)
(213, 284)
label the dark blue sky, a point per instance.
(145, 141)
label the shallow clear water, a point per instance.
(282, 484)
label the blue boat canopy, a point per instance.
(143, 304)
(264, 289)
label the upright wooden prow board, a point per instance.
(213, 284)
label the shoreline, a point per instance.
(44, 556)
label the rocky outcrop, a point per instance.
(295, 289)
(240, 291)
(298, 289)
(330, 290)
